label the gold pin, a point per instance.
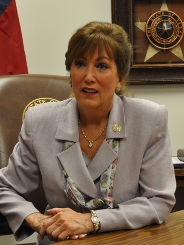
(116, 127)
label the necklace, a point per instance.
(91, 141)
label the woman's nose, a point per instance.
(89, 74)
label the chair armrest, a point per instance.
(4, 227)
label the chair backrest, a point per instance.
(16, 92)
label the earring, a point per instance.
(71, 93)
(117, 90)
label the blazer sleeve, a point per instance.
(156, 185)
(18, 180)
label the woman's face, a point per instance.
(94, 80)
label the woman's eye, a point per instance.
(80, 64)
(102, 66)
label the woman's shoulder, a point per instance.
(47, 110)
(50, 106)
(144, 113)
(142, 108)
(141, 104)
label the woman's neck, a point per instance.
(92, 131)
(93, 116)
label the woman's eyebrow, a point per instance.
(99, 58)
(102, 57)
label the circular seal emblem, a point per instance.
(164, 29)
(37, 102)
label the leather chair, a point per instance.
(17, 93)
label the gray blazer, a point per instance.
(144, 183)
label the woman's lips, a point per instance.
(89, 91)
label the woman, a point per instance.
(104, 160)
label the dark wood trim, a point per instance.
(122, 14)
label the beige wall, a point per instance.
(47, 26)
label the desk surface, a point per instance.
(169, 233)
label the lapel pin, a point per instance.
(116, 127)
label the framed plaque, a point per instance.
(155, 29)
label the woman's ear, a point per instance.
(121, 81)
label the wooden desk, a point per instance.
(169, 233)
(179, 173)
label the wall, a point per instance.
(47, 26)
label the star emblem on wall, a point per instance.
(152, 49)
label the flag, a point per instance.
(12, 55)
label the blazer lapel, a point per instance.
(116, 116)
(73, 162)
(68, 124)
(106, 155)
(102, 160)
(72, 159)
